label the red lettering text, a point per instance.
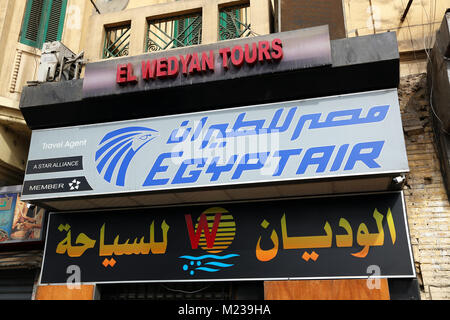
(195, 64)
(149, 69)
(251, 59)
(224, 53)
(208, 61)
(185, 63)
(277, 53)
(172, 67)
(237, 56)
(121, 77)
(210, 236)
(263, 51)
(131, 78)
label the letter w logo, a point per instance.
(210, 236)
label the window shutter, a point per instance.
(222, 25)
(230, 28)
(32, 22)
(232, 24)
(55, 22)
(195, 30)
(187, 31)
(43, 22)
(179, 27)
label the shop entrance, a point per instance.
(17, 284)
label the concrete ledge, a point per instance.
(358, 64)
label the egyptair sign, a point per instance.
(339, 136)
(340, 237)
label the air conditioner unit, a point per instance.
(59, 62)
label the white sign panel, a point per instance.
(338, 136)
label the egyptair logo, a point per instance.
(118, 148)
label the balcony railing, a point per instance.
(234, 22)
(117, 43)
(181, 31)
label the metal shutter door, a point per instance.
(17, 284)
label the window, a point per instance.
(43, 22)
(117, 41)
(175, 32)
(234, 22)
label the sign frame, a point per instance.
(368, 277)
(402, 164)
(301, 49)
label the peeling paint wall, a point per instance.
(427, 203)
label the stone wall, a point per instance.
(427, 203)
(299, 14)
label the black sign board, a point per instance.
(55, 165)
(353, 236)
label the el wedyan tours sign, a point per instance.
(225, 60)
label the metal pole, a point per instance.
(96, 9)
(406, 11)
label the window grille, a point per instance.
(228, 290)
(234, 22)
(182, 31)
(117, 41)
(171, 291)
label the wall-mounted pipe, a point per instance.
(406, 11)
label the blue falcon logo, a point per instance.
(117, 149)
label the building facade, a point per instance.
(400, 37)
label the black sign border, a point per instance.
(405, 216)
